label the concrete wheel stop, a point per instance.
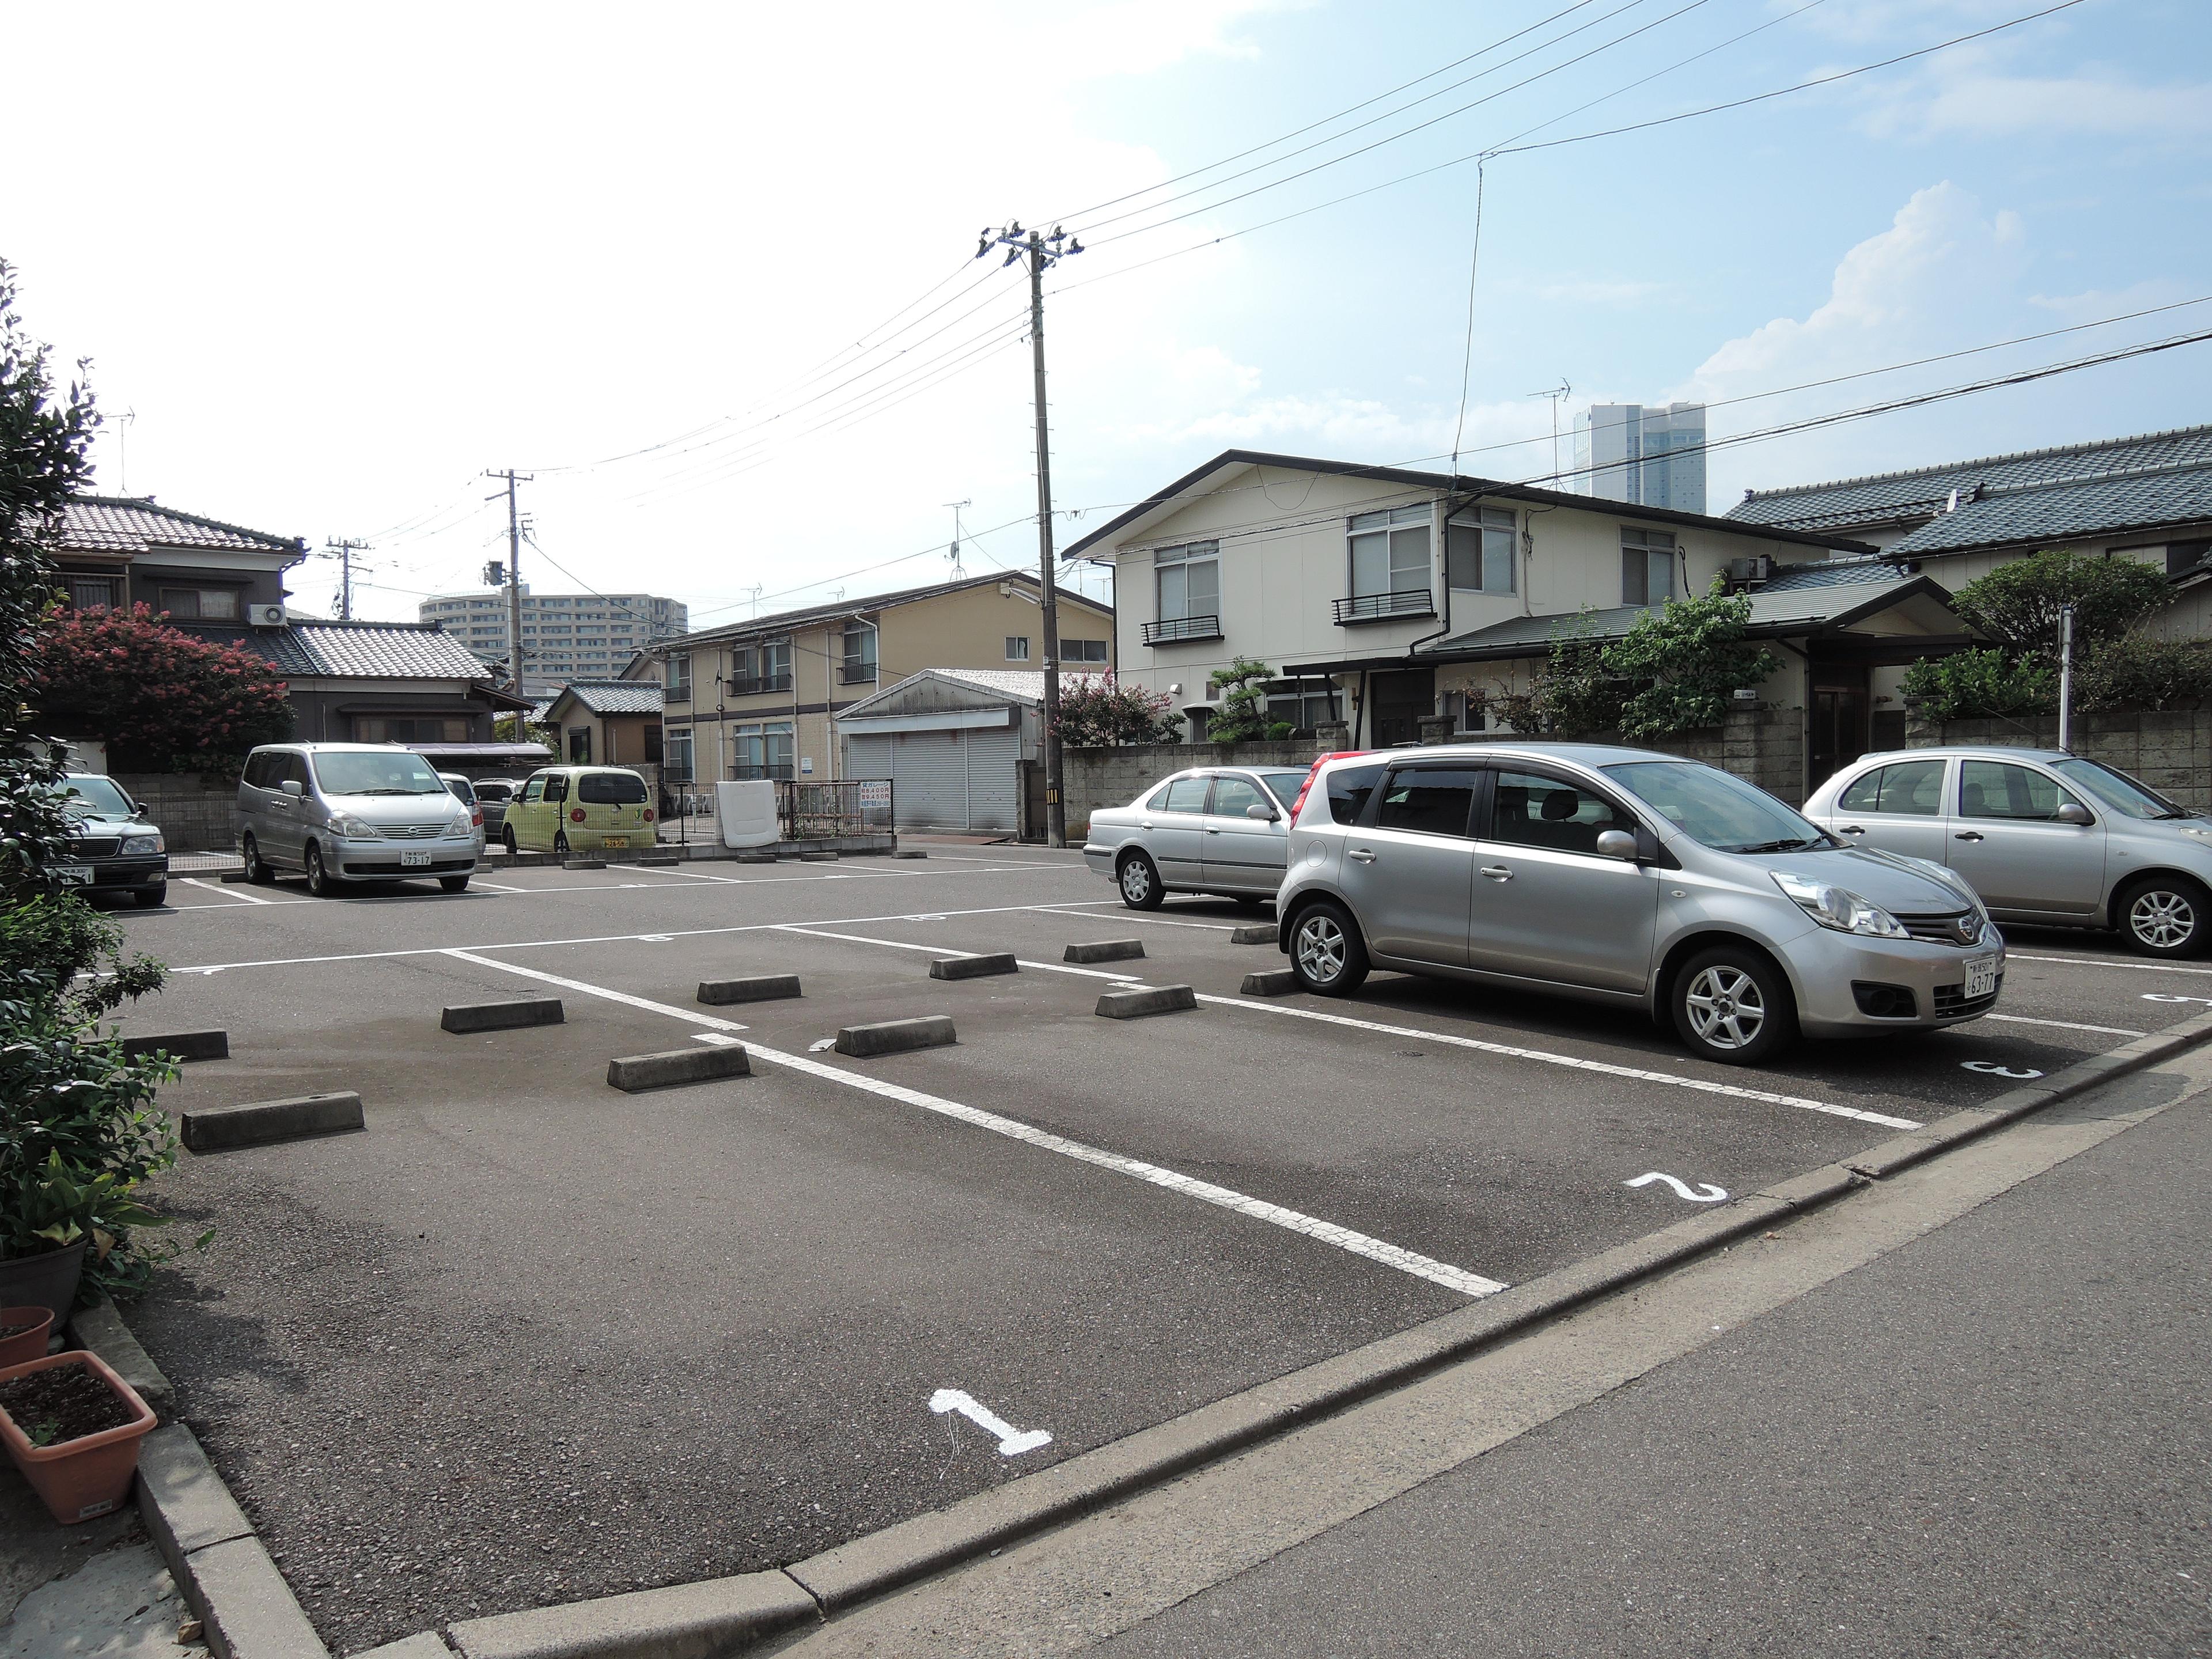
(897, 1036)
(761, 988)
(973, 967)
(636, 1073)
(1139, 1001)
(1105, 950)
(257, 1123)
(179, 1045)
(512, 1014)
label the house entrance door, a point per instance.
(1838, 736)
(1400, 699)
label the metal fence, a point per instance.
(820, 811)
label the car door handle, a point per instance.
(1144, 823)
(1211, 830)
(1968, 835)
(1852, 830)
(1360, 855)
(1496, 872)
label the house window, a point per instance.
(92, 592)
(1190, 581)
(411, 728)
(1390, 551)
(1479, 556)
(2179, 557)
(580, 745)
(677, 746)
(1305, 704)
(201, 604)
(1018, 647)
(1647, 567)
(859, 653)
(1082, 651)
(761, 751)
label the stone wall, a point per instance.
(196, 812)
(1765, 746)
(1093, 778)
(2169, 750)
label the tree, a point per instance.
(1097, 713)
(2017, 605)
(1686, 659)
(1243, 715)
(1571, 696)
(163, 700)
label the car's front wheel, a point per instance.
(454, 883)
(1734, 1005)
(2164, 915)
(148, 898)
(1328, 956)
(1139, 880)
(257, 867)
(320, 882)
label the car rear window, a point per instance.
(491, 791)
(1349, 787)
(610, 789)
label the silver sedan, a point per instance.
(2043, 835)
(1213, 829)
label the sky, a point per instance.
(708, 273)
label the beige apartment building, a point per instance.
(757, 699)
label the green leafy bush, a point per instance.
(1243, 715)
(1982, 684)
(1686, 660)
(1098, 712)
(2017, 605)
(2145, 673)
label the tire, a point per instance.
(454, 883)
(1328, 956)
(148, 898)
(2164, 915)
(320, 882)
(257, 867)
(1139, 879)
(1733, 1004)
(507, 838)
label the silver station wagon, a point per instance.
(1623, 876)
(2042, 836)
(1213, 829)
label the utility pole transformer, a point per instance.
(1042, 252)
(343, 551)
(514, 574)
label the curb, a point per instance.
(100, 1329)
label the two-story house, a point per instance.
(211, 578)
(1382, 595)
(756, 699)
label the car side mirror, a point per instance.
(294, 787)
(1616, 844)
(2073, 812)
(1260, 811)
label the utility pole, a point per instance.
(2066, 677)
(1042, 253)
(343, 551)
(513, 572)
(1562, 390)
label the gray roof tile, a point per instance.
(382, 651)
(615, 696)
(120, 524)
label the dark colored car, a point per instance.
(492, 796)
(113, 848)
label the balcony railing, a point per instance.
(1175, 631)
(677, 691)
(856, 673)
(1385, 607)
(758, 683)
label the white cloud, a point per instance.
(1983, 105)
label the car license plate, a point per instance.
(613, 841)
(1981, 977)
(412, 857)
(73, 875)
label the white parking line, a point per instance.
(246, 898)
(2064, 1025)
(2107, 962)
(1360, 1245)
(1735, 1090)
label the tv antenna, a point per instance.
(1562, 390)
(753, 594)
(953, 553)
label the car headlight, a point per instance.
(1839, 908)
(152, 843)
(351, 829)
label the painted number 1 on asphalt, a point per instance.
(1013, 1442)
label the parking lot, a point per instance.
(530, 1339)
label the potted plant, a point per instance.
(72, 1426)
(23, 1334)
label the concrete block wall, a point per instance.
(2169, 749)
(196, 812)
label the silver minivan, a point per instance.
(1624, 877)
(351, 812)
(2044, 836)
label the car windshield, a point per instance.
(94, 798)
(611, 788)
(1285, 785)
(395, 773)
(1716, 808)
(2118, 790)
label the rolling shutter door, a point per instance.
(870, 757)
(930, 779)
(993, 774)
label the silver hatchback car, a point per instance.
(2043, 835)
(1212, 830)
(1629, 878)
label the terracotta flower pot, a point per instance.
(49, 1277)
(25, 1345)
(89, 1476)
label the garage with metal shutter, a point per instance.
(953, 742)
(929, 774)
(994, 760)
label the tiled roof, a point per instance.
(1800, 598)
(119, 524)
(784, 621)
(1025, 682)
(2077, 490)
(615, 696)
(381, 651)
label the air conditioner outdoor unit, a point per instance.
(264, 615)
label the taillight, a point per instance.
(1314, 771)
(648, 814)
(575, 815)
(476, 817)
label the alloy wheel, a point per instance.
(1321, 948)
(1136, 881)
(1726, 1008)
(2162, 919)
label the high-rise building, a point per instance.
(565, 637)
(1646, 453)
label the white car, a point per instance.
(1212, 829)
